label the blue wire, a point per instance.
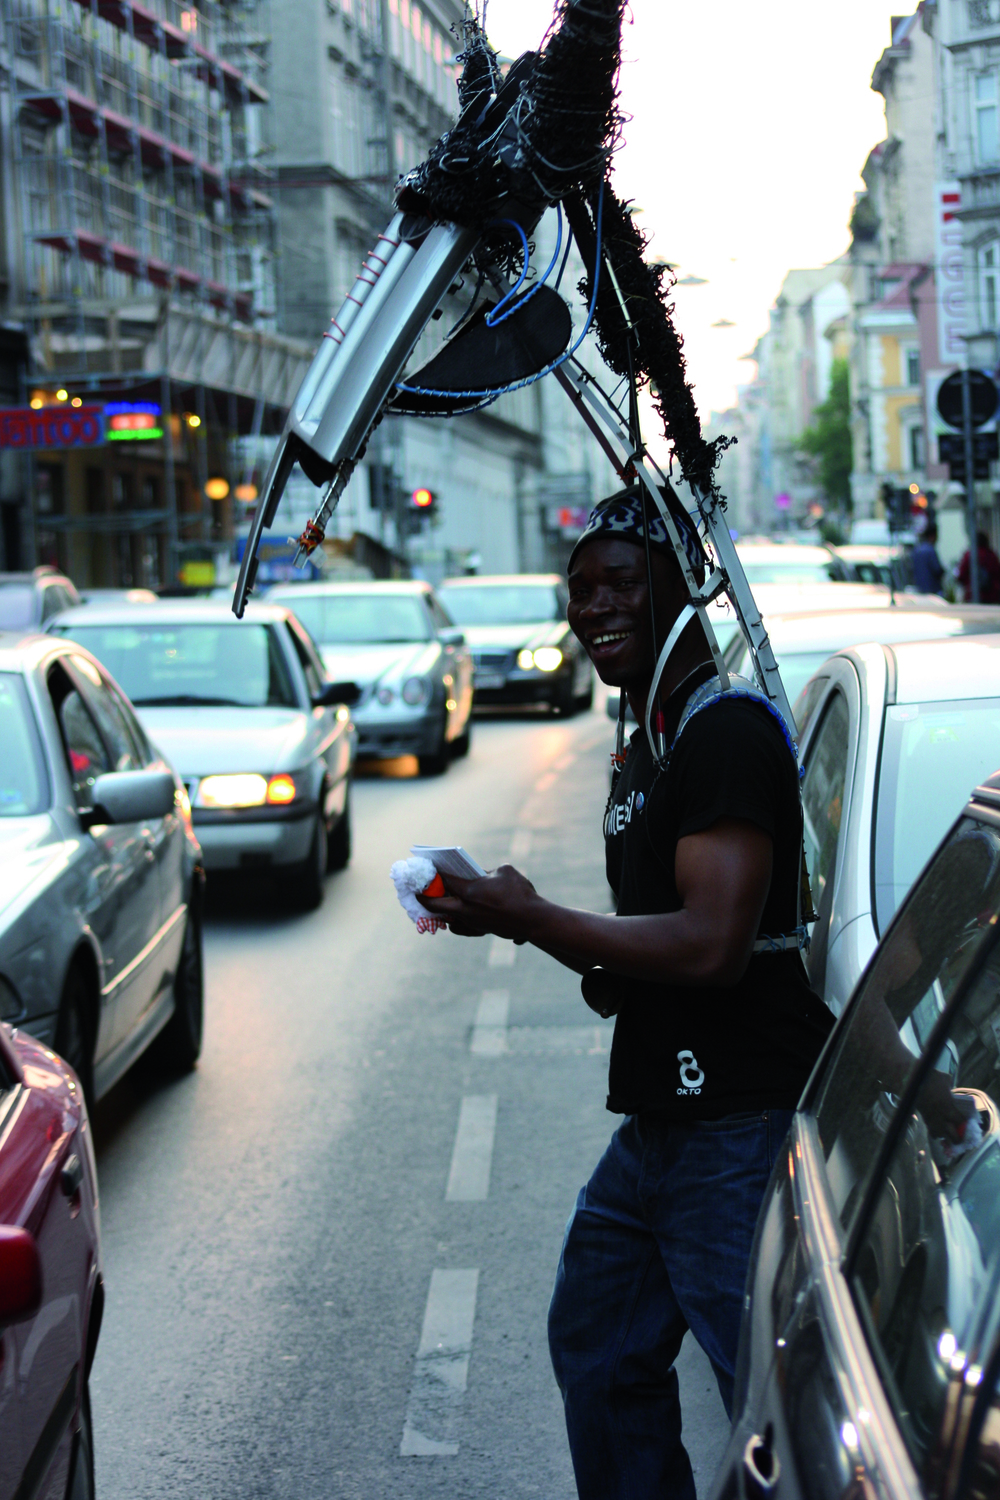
(562, 268)
(524, 269)
(491, 317)
(487, 396)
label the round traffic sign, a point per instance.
(983, 396)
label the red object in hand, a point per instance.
(436, 887)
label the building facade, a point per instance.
(139, 263)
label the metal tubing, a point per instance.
(971, 522)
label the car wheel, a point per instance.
(81, 1470)
(338, 853)
(178, 1046)
(436, 763)
(73, 1039)
(307, 885)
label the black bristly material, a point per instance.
(658, 349)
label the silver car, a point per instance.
(411, 665)
(247, 714)
(100, 870)
(893, 738)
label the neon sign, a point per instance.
(132, 421)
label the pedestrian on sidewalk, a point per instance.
(928, 569)
(715, 1034)
(989, 572)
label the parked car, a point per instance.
(893, 738)
(869, 1360)
(51, 1288)
(802, 640)
(28, 600)
(245, 711)
(118, 596)
(100, 870)
(524, 651)
(410, 662)
(870, 564)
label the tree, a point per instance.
(829, 438)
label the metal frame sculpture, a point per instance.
(541, 137)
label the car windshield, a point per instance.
(777, 570)
(796, 667)
(17, 605)
(194, 664)
(23, 783)
(933, 754)
(364, 619)
(501, 603)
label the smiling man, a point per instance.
(716, 1032)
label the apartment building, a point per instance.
(139, 261)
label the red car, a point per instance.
(51, 1291)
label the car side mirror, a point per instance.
(452, 636)
(337, 692)
(20, 1275)
(131, 797)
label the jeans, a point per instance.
(659, 1242)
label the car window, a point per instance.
(807, 702)
(925, 1255)
(440, 616)
(914, 973)
(86, 754)
(311, 668)
(933, 755)
(823, 795)
(186, 664)
(370, 619)
(23, 783)
(502, 603)
(54, 600)
(126, 755)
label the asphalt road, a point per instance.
(329, 1251)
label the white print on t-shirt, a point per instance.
(621, 813)
(692, 1076)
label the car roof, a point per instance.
(20, 650)
(865, 552)
(833, 630)
(168, 612)
(476, 580)
(927, 671)
(373, 586)
(786, 552)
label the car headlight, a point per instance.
(385, 696)
(247, 789)
(416, 691)
(547, 658)
(525, 661)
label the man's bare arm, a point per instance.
(723, 876)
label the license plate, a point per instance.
(490, 680)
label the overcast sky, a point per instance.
(750, 125)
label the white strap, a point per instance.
(681, 623)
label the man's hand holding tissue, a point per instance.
(503, 902)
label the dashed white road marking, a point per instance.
(565, 761)
(520, 844)
(532, 1040)
(472, 1158)
(489, 1034)
(441, 1369)
(502, 953)
(544, 782)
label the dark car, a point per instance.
(51, 1291)
(870, 1353)
(522, 647)
(29, 600)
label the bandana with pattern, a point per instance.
(621, 517)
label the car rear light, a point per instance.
(281, 790)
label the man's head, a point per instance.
(930, 533)
(982, 540)
(609, 591)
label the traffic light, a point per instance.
(423, 505)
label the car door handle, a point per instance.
(71, 1175)
(761, 1469)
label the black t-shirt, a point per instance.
(699, 1052)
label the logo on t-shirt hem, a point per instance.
(692, 1077)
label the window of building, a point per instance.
(987, 134)
(913, 366)
(989, 284)
(916, 445)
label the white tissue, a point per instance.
(973, 1136)
(410, 876)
